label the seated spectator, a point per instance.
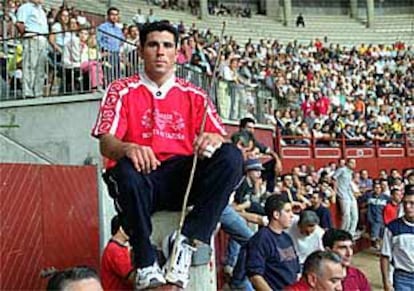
(291, 194)
(117, 271)
(322, 270)
(77, 278)
(323, 213)
(306, 234)
(340, 242)
(248, 195)
(365, 182)
(271, 262)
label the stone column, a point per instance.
(354, 8)
(370, 13)
(273, 9)
(287, 12)
(203, 9)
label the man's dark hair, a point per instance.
(314, 262)
(162, 25)
(115, 224)
(333, 235)
(61, 279)
(111, 9)
(245, 121)
(274, 203)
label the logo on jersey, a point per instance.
(168, 125)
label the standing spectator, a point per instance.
(398, 247)
(346, 198)
(149, 128)
(110, 39)
(139, 19)
(151, 17)
(325, 217)
(32, 21)
(300, 20)
(117, 272)
(392, 209)
(376, 201)
(272, 263)
(340, 242)
(322, 270)
(306, 234)
(60, 35)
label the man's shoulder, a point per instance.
(124, 84)
(186, 85)
(399, 226)
(353, 272)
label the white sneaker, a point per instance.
(177, 267)
(149, 277)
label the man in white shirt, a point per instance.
(306, 234)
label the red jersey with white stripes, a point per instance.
(166, 118)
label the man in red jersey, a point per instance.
(116, 268)
(322, 270)
(392, 208)
(149, 127)
(340, 242)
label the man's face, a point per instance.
(364, 174)
(352, 164)
(133, 32)
(113, 16)
(315, 200)
(345, 250)
(307, 230)
(288, 181)
(254, 174)
(285, 216)
(408, 203)
(397, 196)
(159, 54)
(250, 127)
(330, 279)
(377, 189)
(85, 285)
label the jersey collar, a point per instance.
(158, 92)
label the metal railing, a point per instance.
(30, 63)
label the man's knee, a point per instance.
(231, 156)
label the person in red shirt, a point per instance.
(390, 211)
(149, 128)
(322, 270)
(340, 242)
(117, 272)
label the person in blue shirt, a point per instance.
(376, 201)
(271, 259)
(110, 39)
(324, 214)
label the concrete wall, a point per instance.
(54, 130)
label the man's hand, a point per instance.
(207, 143)
(142, 157)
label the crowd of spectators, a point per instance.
(363, 94)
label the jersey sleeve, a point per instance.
(112, 117)
(214, 123)
(386, 243)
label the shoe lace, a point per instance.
(183, 258)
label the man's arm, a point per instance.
(259, 283)
(142, 157)
(385, 271)
(20, 27)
